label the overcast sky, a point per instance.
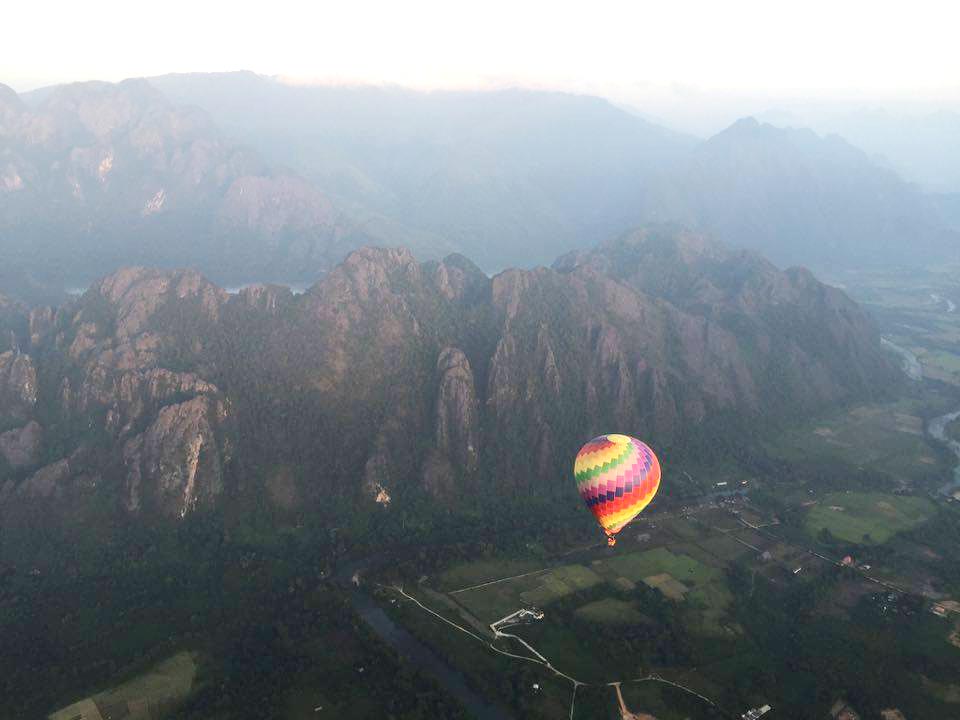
(659, 57)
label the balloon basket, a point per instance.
(611, 541)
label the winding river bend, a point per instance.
(911, 366)
(937, 428)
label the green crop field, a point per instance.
(167, 683)
(725, 547)
(684, 529)
(494, 601)
(700, 553)
(858, 515)
(637, 566)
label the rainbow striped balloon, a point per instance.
(617, 476)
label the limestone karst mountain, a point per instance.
(391, 376)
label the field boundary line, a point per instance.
(500, 580)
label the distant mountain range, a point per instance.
(800, 198)
(157, 393)
(919, 145)
(98, 175)
(248, 178)
(510, 177)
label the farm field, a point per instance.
(686, 573)
(886, 437)
(165, 685)
(866, 518)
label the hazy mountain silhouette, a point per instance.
(510, 177)
(94, 176)
(801, 198)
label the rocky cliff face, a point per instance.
(113, 387)
(18, 386)
(21, 447)
(390, 377)
(176, 463)
(792, 325)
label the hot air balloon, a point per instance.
(617, 476)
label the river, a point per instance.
(911, 366)
(937, 428)
(410, 649)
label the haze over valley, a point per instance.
(579, 378)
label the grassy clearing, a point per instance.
(711, 601)
(946, 361)
(668, 585)
(494, 601)
(725, 547)
(884, 436)
(635, 566)
(481, 571)
(948, 693)
(855, 516)
(700, 552)
(167, 683)
(639, 566)
(684, 529)
(658, 700)
(610, 611)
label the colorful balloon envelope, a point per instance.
(617, 476)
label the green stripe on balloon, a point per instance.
(585, 475)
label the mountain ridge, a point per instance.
(445, 381)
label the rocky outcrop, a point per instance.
(266, 298)
(109, 350)
(176, 465)
(47, 483)
(40, 324)
(458, 413)
(129, 397)
(21, 447)
(18, 385)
